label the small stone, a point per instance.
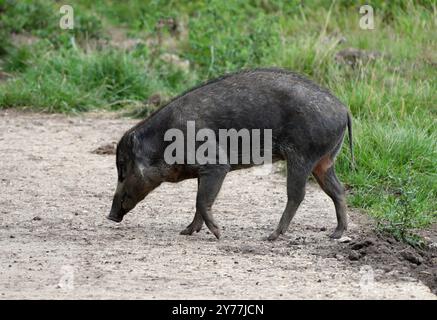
(323, 229)
(36, 218)
(412, 257)
(154, 100)
(360, 245)
(353, 56)
(11, 236)
(344, 239)
(354, 256)
(391, 241)
(176, 61)
(386, 269)
(109, 148)
(339, 257)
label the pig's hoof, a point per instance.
(273, 236)
(194, 226)
(337, 234)
(215, 231)
(187, 231)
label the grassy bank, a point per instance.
(119, 55)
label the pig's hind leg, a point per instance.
(297, 175)
(328, 181)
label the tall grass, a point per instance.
(73, 81)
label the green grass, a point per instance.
(71, 81)
(393, 99)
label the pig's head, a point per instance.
(136, 176)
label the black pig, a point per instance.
(308, 127)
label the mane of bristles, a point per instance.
(215, 80)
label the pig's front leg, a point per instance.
(209, 183)
(195, 225)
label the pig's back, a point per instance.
(260, 98)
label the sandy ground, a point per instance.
(56, 243)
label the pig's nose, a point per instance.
(115, 218)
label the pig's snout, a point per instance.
(114, 217)
(117, 212)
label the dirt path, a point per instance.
(56, 243)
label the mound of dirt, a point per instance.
(106, 149)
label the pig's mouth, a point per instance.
(118, 216)
(114, 218)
